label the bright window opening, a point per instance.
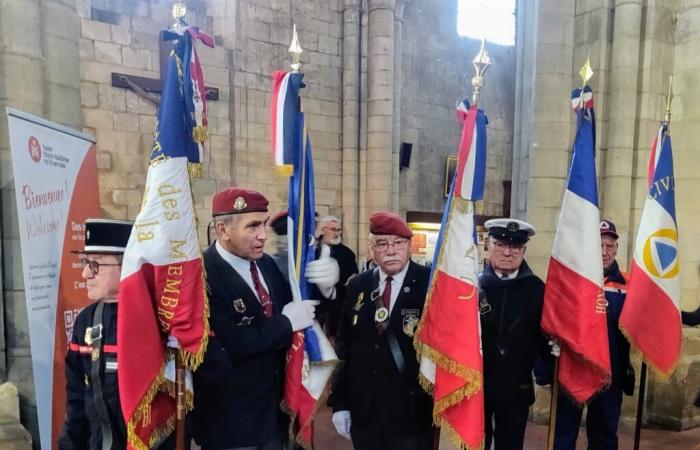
(490, 19)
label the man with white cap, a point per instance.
(510, 305)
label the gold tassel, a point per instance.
(194, 169)
(285, 171)
(200, 134)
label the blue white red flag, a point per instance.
(311, 358)
(651, 317)
(285, 104)
(448, 340)
(162, 297)
(574, 310)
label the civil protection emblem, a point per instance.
(239, 204)
(239, 305)
(660, 253)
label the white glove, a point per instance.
(300, 314)
(324, 272)
(342, 422)
(555, 350)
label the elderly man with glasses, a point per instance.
(377, 401)
(510, 304)
(94, 418)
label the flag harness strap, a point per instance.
(94, 338)
(383, 327)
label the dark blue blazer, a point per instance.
(238, 404)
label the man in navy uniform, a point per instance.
(510, 305)
(604, 410)
(377, 400)
(253, 318)
(93, 412)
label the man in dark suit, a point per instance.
(252, 318)
(94, 419)
(377, 401)
(331, 287)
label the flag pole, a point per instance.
(553, 407)
(295, 51)
(179, 11)
(643, 371)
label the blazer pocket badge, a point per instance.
(410, 321)
(239, 305)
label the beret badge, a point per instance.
(239, 204)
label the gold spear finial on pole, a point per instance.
(295, 50)
(179, 13)
(669, 97)
(481, 62)
(586, 73)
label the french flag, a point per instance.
(651, 316)
(285, 105)
(574, 311)
(311, 358)
(162, 294)
(448, 340)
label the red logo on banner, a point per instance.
(34, 149)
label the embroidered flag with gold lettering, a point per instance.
(162, 297)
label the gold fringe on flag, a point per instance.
(194, 170)
(200, 134)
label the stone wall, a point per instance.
(437, 71)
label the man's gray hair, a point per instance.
(226, 219)
(328, 219)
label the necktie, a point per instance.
(386, 303)
(263, 295)
(386, 295)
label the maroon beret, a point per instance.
(236, 200)
(384, 222)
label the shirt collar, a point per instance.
(239, 264)
(507, 277)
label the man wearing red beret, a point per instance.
(377, 401)
(253, 317)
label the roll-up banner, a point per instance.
(55, 175)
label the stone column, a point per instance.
(616, 195)
(380, 104)
(60, 44)
(351, 122)
(541, 155)
(398, 83)
(21, 87)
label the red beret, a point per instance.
(237, 201)
(384, 222)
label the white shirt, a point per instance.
(242, 266)
(396, 283)
(506, 277)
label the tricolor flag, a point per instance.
(574, 310)
(311, 358)
(651, 317)
(448, 340)
(162, 298)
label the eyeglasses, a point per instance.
(95, 265)
(383, 246)
(502, 246)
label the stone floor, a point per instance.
(536, 438)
